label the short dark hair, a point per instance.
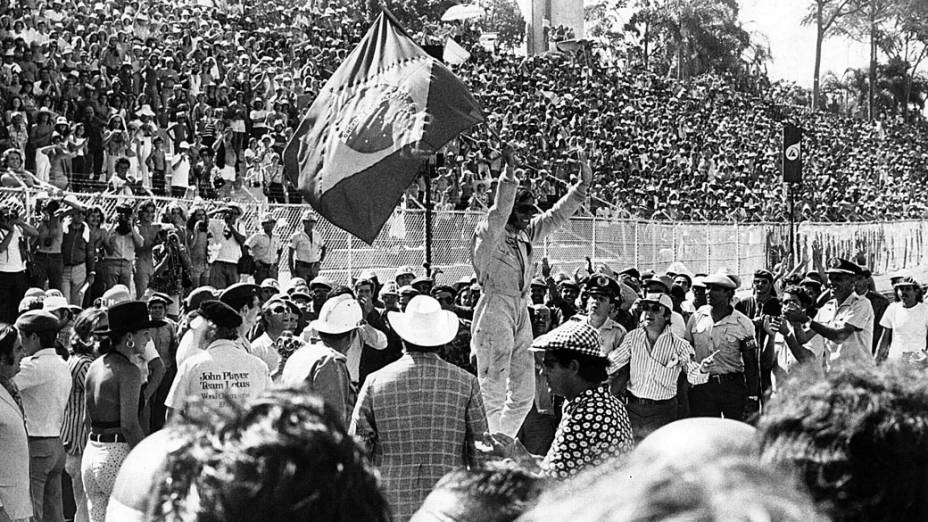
(496, 492)
(338, 290)
(284, 455)
(804, 298)
(47, 338)
(591, 369)
(858, 439)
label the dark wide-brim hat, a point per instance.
(128, 316)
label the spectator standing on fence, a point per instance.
(13, 252)
(502, 258)
(120, 242)
(265, 247)
(307, 249)
(225, 246)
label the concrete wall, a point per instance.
(559, 12)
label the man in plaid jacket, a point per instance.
(419, 416)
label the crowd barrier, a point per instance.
(889, 248)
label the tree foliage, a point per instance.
(824, 14)
(692, 37)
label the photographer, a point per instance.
(120, 242)
(226, 246)
(13, 280)
(783, 344)
(172, 266)
(48, 265)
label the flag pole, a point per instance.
(427, 172)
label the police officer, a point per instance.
(725, 336)
(604, 297)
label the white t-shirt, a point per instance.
(11, 259)
(222, 248)
(910, 328)
(222, 370)
(181, 174)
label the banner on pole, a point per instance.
(792, 153)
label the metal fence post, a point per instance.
(593, 239)
(635, 222)
(737, 248)
(708, 249)
(350, 257)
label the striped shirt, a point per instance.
(654, 369)
(73, 430)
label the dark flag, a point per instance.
(360, 145)
(792, 153)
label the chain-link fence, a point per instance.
(888, 248)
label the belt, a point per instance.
(76, 264)
(307, 262)
(640, 400)
(108, 437)
(44, 438)
(47, 253)
(726, 377)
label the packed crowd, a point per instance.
(141, 368)
(190, 100)
(330, 382)
(494, 396)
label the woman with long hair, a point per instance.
(197, 243)
(74, 431)
(40, 135)
(112, 389)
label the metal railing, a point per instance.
(888, 248)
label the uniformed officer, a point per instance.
(604, 298)
(725, 336)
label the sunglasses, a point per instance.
(651, 307)
(445, 299)
(279, 309)
(526, 209)
(548, 362)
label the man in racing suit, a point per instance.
(501, 251)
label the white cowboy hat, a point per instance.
(339, 315)
(424, 323)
